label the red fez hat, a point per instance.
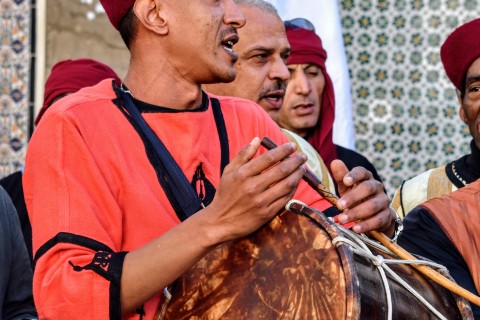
(460, 50)
(69, 76)
(306, 48)
(116, 10)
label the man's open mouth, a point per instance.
(229, 42)
(274, 98)
(275, 95)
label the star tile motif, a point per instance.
(403, 102)
(15, 60)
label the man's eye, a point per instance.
(473, 88)
(473, 91)
(261, 56)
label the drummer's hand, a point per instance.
(365, 199)
(249, 195)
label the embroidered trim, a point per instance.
(65, 237)
(455, 173)
(106, 263)
(100, 264)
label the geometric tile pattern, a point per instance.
(15, 75)
(405, 108)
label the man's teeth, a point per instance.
(228, 45)
(273, 98)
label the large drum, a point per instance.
(290, 269)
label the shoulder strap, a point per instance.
(222, 134)
(178, 189)
(180, 193)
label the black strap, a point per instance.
(180, 193)
(222, 134)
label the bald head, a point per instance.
(260, 4)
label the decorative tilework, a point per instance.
(14, 83)
(405, 108)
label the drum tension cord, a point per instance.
(358, 244)
(429, 272)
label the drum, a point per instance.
(290, 269)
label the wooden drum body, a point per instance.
(290, 269)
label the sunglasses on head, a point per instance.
(299, 23)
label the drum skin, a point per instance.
(289, 269)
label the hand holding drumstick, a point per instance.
(316, 184)
(363, 203)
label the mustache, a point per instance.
(278, 85)
(228, 32)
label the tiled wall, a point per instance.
(70, 34)
(405, 108)
(15, 86)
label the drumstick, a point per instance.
(435, 276)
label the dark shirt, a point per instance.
(423, 236)
(354, 159)
(16, 299)
(467, 168)
(14, 187)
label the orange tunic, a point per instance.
(87, 174)
(458, 214)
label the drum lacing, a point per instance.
(168, 297)
(359, 247)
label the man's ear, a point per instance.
(461, 113)
(149, 14)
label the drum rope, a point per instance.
(167, 298)
(380, 247)
(376, 261)
(359, 247)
